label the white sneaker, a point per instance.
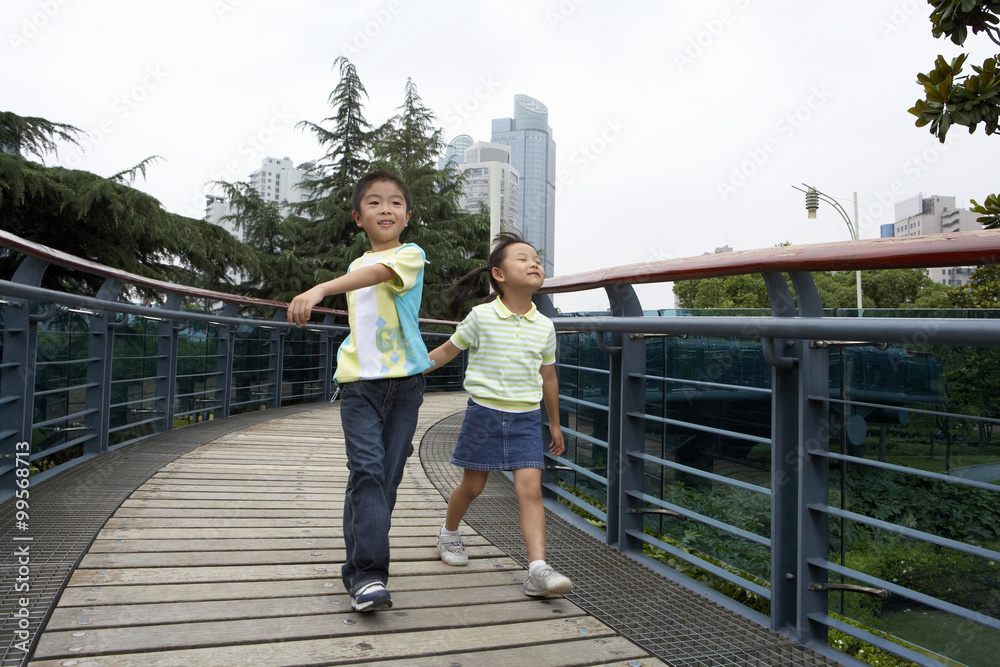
(546, 581)
(452, 550)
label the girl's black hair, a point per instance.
(472, 281)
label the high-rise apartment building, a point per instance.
(490, 180)
(533, 156)
(277, 180)
(921, 215)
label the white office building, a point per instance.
(277, 180)
(491, 181)
(921, 215)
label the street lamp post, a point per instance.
(814, 197)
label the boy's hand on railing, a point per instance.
(301, 306)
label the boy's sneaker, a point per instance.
(371, 597)
(452, 550)
(546, 581)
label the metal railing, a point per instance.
(655, 492)
(82, 375)
(85, 374)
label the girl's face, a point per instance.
(521, 268)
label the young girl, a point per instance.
(511, 368)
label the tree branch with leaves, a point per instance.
(952, 97)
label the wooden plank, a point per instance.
(302, 530)
(110, 616)
(167, 575)
(82, 596)
(363, 648)
(283, 629)
(252, 558)
(253, 544)
(141, 523)
(556, 654)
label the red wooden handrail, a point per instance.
(913, 252)
(68, 261)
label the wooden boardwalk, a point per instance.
(231, 556)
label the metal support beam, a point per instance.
(101, 351)
(168, 344)
(627, 394)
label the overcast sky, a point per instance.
(680, 126)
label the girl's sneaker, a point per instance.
(546, 581)
(452, 550)
(371, 597)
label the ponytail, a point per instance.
(472, 281)
(463, 288)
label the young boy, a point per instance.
(379, 372)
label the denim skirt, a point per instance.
(497, 440)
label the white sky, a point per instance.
(680, 126)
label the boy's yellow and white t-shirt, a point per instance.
(506, 352)
(385, 340)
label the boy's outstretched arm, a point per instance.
(550, 394)
(442, 354)
(301, 306)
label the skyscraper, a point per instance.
(533, 156)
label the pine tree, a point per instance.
(100, 219)
(454, 240)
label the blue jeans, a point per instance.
(379, 418)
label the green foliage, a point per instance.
(106, 221)
(990, 209)
(889, 288)
(958, 513)
(953, 98)
(34, 136)
(982, 290)
(952, 18)
(954, 576)
(742, 291)
(320, 239)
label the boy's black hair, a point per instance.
(472, 280)
(361, 187)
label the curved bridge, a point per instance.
(230, 554)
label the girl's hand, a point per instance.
(558, 445)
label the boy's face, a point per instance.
(383, 215)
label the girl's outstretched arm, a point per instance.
(550, 394)
(442, 354)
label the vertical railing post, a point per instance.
(276, 361)
(327, 357)
(167, 352)
(98, 393)
(814, 471)
(549, 476)
(17, 383)
(225, 360)
(627, 395)
(783, 357)
(800, 427)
